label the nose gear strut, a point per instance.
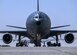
(37, 40)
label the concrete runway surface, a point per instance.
(38, 50)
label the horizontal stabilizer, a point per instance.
(60, 26)
(15, 27)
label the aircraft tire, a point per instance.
(19, 44)
(59, 44)
(37, 44)
(49, 44)
(54, 44)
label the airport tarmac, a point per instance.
(38, 50)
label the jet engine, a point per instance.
(69, 38)
(7, 38)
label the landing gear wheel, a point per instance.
(49, 44)
(59, 44)
(37, 43)
(19, 44)
(54, 44)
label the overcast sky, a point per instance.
(61, 12)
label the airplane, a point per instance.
(38, 27)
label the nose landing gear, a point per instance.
(37, 40)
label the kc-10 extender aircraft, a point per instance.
(38, 27)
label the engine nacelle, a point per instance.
(69, 38)
(7, 38)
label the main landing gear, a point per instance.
(37, 42)
(21, 43)
(54, 44)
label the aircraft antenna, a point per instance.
(37, 5)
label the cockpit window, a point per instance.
(36, 17)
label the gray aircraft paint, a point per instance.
(38, 24)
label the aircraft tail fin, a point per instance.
(37, 5)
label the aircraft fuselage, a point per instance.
(38, 23)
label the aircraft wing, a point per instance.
(59, 32)
(22, 33)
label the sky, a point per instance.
(61, 12)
